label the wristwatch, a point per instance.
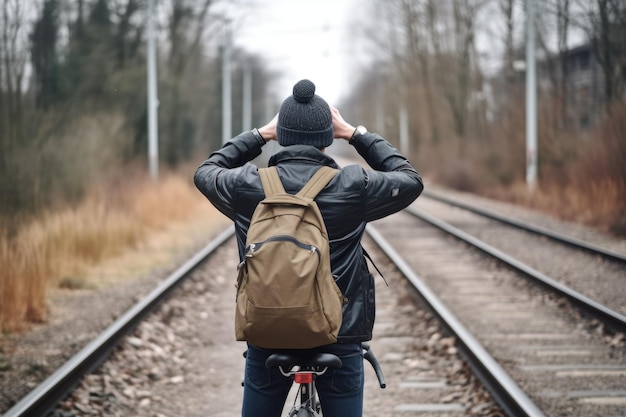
(357, 132)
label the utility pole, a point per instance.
(153, 101)
(404, 127)
(380, 111)
(247, 96)
(226, 86)
(531, 98)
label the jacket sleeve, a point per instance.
(216, 177)
(393, 184)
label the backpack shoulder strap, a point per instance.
(317, 182)
(271, 181)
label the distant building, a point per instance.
(584, 86)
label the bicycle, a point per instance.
(303, 368)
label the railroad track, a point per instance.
(576, 243)
(523, 343)
(51, 391)
(565, 364)
(588, 275)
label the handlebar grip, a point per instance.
(369, 356)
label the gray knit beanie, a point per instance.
(305, 118)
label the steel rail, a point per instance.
(510, 397)
(611, 318)
(542, 231)
(43, 398)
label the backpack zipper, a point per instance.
(253, 247)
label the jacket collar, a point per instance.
(302, 154)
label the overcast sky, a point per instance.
(300, 38)
(321, 40)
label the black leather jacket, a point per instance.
(354, 197)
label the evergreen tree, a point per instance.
(44, 55)
(89, 62)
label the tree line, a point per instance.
(456, 68)
(73, 92)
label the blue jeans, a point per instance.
(340, 390)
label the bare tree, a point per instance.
(609, 29)
(415, 56)
(554, 23)
(429, 66)
(412, 41)
(460, 82)
(432, 46)
(393, 45)
(505, 85)
(14, 55)
(604, 21)
(507, 8)
(187, 24)
(127, 38)
(562, 24)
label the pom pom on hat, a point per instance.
(305, 118)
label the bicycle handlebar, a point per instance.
(369, 355)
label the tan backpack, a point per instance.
(287, 297)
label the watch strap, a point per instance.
(358, 131)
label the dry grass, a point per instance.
(590, 188)
(581, 178)
(599, 204)
(57, 245)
